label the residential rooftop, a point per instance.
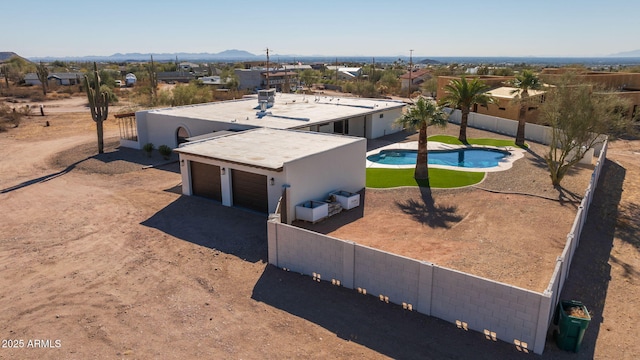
(288, 111)
(507, 92)
(265, 148)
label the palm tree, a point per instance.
(461, 94)
(524, 82)
(420, 115)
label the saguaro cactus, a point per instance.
(153, 79)
(43, 76)
(98, 103)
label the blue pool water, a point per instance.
(467, 158)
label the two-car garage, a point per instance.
(249, 190)
(261, 169)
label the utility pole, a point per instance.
(267, 68)
(336, 71)
(373, 70)
(410, 71)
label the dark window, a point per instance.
(381, 116)
(501, 108)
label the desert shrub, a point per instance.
(165, 151)
(191, 93)
(110, 95)
(148, 148)
(11, 117)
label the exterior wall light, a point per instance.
(272, 181)
(223, 171)
(182, 162)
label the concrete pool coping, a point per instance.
(515, 153)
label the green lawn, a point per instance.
(438, 178)
(454, 141)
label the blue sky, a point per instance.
(62, 28)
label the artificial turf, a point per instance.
(438, 178)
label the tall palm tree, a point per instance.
(461, 94)
(524, 82)
(420, 115)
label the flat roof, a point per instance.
(508, 92)
(266, 148)
(289, 111)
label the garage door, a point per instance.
(250, 190)
(205, 180)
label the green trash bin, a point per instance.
(573, 319)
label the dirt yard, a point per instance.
(106, 260)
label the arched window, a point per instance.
(181, 135)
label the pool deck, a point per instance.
(506, 163)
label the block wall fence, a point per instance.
(500, 311)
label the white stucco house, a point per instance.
(368, 118)
(257, 150)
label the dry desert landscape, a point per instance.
(101, 255)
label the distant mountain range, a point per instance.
(181, 56)
(234, 55)
(632, 53)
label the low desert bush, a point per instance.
(148, 148)
(11, 117)
(165, 151)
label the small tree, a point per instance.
(98, 103)
(309, 77)
(419, 116)
(578, 117)
(43, 76)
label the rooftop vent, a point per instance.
(267, 96)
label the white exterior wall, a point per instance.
(385, 125)
(313, 177)
(356, 126)
(161, 129)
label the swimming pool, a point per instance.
(464, 157)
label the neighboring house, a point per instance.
(175, 76)
(71, 78)
(281, 80)
(507, 106)
(624, 84)
(256, 78)
(253, 169)
(249, 79)
(346, 73)
(416, 77)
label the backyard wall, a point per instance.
(537, 133)
(563, 264)
(503, 311)
(498, 310)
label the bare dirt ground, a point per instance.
(111, 261)
(483, 230)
